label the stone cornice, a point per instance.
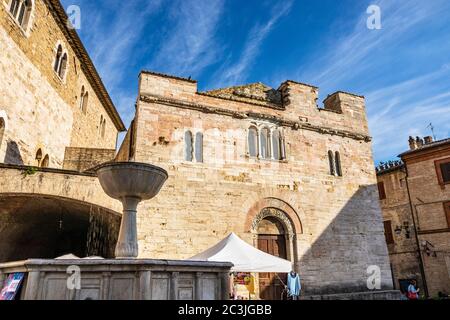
(294, 125)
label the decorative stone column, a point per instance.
(32, 287)
(225, 286)
(258, 142)
(270, 144)
(127, 244)
(174, 286)
(282, 147)
(199, 286)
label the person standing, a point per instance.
(413, 291)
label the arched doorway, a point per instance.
(272, 239)
(275, 226)
(46, 227)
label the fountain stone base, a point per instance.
(120, 279)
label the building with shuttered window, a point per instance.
(415, 199)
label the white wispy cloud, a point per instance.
(119, 36)
(406, 109)
(398, 105)
(237, 72)
(347, 57)
(191, 44)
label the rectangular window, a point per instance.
(381, 190)
(447, 212)
(388, 232)
(443, 171)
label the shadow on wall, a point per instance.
(349, 251)
(12, 155)
(338, 260)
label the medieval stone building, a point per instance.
(55, 113)
(288, 177)
(51, 95)
(268, 164)
(415, 202)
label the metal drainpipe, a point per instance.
(421, 265)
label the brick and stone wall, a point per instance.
(81, 159)
(428, 197)
(403, 251)
(336, 222)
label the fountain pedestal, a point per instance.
(131, 183)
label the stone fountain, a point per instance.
(126, 277)
(130, 183)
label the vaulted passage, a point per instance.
(48, 227)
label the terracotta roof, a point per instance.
(86, 63)
(254, 91)
(388, 168)
(426, 147)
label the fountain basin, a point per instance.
(120, 279)
(131, 179)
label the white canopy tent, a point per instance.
(245, 257)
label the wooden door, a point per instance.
(270, 287)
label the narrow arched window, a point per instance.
(100, 124)
(85, 102)
(338, 164)
(82, 98)
(103, 128)
(276, 145)
(2, 130)
(331, 161)
(38, 157)
(253, 142)
(21, 11)
(188, 149)
(63, 66)
(199, 147)
(264, 142)
(45, 162)
(14, 8)
(59, 52)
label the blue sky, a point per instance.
(402, 69)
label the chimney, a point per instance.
(419, 142)
(428, 140)
(412, 143)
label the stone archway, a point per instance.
(36, 226)
(274, 225)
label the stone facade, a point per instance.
(429, 201)
(238, 160)
(40, 109)
(333, 224)
(82, 159)
(402, 245)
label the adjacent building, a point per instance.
(415, 199)
(55, 114)
(51, 96)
